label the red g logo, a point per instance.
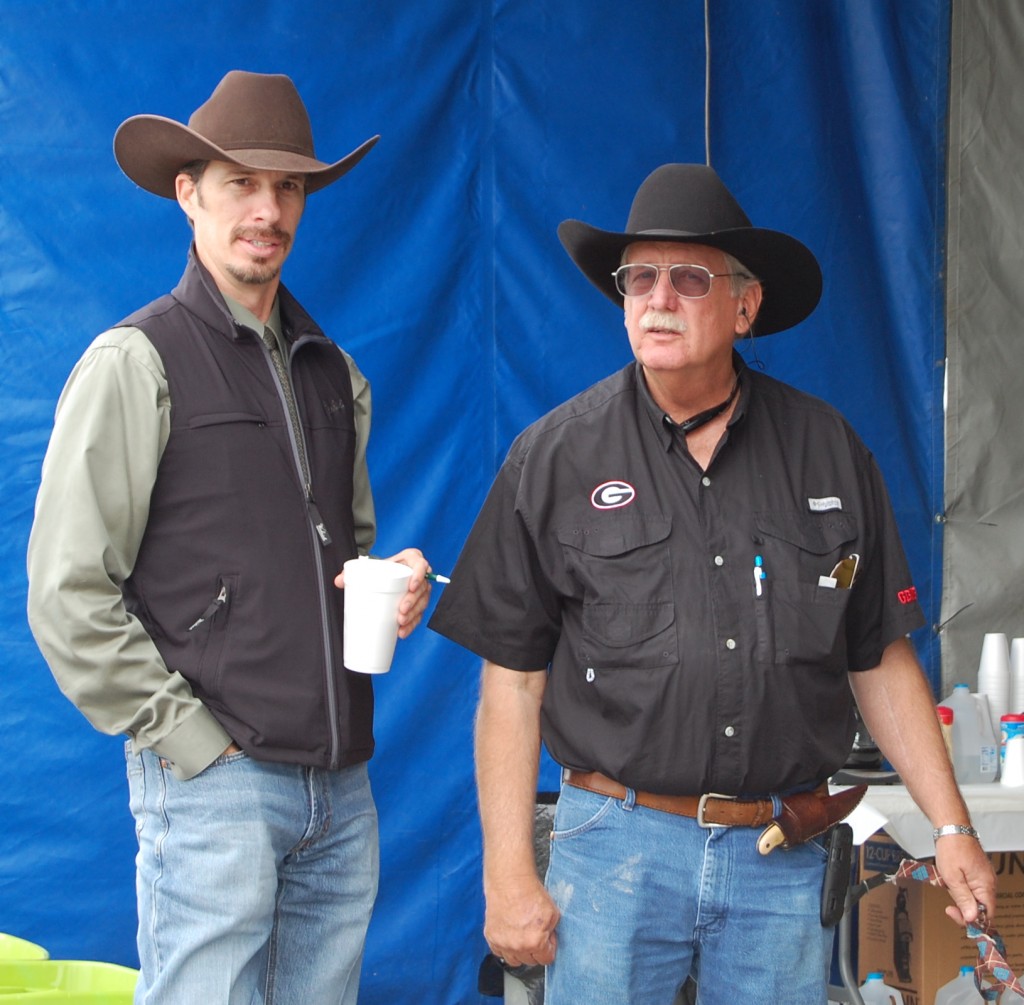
(612, 495)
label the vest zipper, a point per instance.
(299, 451)
(325, 640)
(320, 528)
(318, 521)
(218, 602)
(324, 537)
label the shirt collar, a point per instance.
(247, 319)
(664, 429)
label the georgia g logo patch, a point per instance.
(612, 495)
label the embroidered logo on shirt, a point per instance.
(612, 495)
(907, 596)
(824, 504)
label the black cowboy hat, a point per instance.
(257, 120)
(689, 203)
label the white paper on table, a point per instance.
(996, 812)
(865, 821)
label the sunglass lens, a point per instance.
(690, 281)
(636, 280)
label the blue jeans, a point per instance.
(649, 897)
(255, 881)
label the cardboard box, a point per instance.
(903, 929)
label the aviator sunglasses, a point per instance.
(690, 281)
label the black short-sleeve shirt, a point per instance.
(693, 640)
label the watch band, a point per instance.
(949, 829)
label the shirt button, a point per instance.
(730, 731)
(730, 643)
(719, 561)
(705, 481)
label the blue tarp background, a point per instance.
(436, 264)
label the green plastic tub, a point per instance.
(13, 948)
(70, 982)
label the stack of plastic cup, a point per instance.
(994, 675)
(1017, 675)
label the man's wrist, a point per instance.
(948, 830)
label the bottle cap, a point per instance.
(945, 714)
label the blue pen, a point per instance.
(759, 574)
(435, 578)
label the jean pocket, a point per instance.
(235, 755)
(132, 761)
(579, 811)
(816, 847)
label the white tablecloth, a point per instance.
(996, 812)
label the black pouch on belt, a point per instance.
(836, 884)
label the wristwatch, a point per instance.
(948, 829)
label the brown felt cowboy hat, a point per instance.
(257, 120)
(689, 203)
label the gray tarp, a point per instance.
(983, 556)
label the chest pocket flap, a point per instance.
(817, 533)
(616, 537)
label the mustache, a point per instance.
(662, 321)
(264, 234)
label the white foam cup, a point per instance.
(373, 590)
(1017, 675)
(994, 675)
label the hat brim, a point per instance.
(152, 150)
(788, 271)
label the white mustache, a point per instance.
(663, 321)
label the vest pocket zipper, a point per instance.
(218, 602)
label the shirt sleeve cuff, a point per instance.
(193, 745)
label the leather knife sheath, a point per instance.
(806, 815)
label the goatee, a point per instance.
(254, 275)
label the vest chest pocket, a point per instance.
(625, 608)
(225, 418)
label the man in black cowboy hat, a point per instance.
(205, 482)
(679, 581)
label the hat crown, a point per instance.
(255, 111)
(684, 199)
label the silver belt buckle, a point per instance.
(702, 803)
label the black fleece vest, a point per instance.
(232, 581)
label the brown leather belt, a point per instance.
(709, 810)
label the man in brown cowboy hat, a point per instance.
(679, 581)
(204, 484)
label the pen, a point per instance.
(759, 574)
(435, 578)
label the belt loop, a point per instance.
(630, 801)
(776, 805)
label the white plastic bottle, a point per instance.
(975, 746)
(960, 990)
(875, 991)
